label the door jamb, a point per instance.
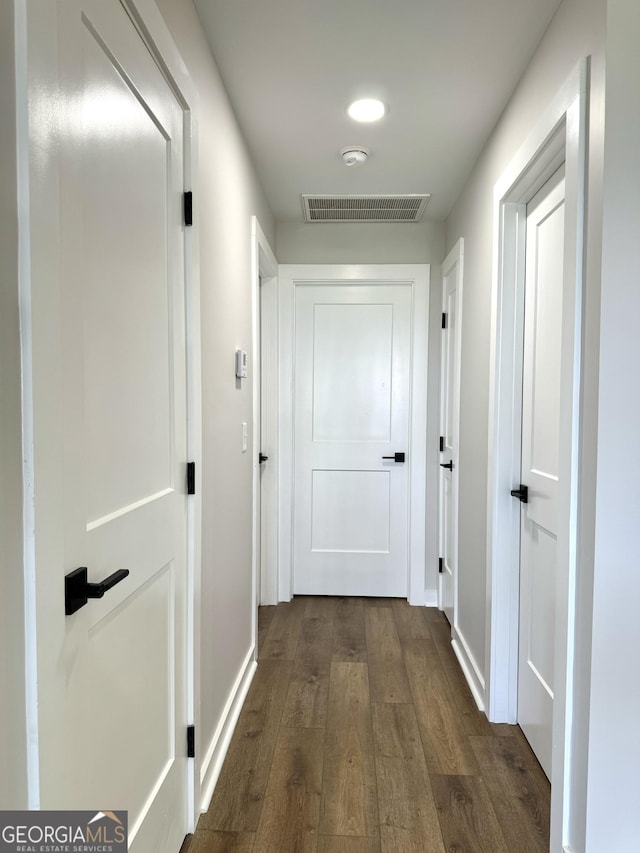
(559, 137)
(155, 33)
(265, 374)
(418, 276)
(455, 258)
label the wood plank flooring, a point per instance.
(359, 735)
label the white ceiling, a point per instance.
(446, 69)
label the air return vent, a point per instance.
(364, 208)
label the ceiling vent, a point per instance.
(364, 208)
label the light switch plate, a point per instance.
(241, 364)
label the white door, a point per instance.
(540, 464)
(261, 447)
(109, 409)
(449, 427)
(352, 397)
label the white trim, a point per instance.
(430, 598)
(156, 35)
(26, 346)
(418, 432)
(560, 136)
(214, 755)
(265, 377)
(418, 276)
(469, 667)
(454, 259)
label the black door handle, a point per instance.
(77, 589)
(447, 465)
(397, 457)
(522, 494)
(262, 458)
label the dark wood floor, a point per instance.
(359, 735)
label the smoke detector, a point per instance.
(354, 155)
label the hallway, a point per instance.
(359, 735)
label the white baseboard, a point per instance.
(427, 598)
(431, 598)
(214, 757)
(469, 667)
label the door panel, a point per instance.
(449, 426)
(540, 442)
(111, 455)
(352, 361)
(350, 511)
(352, 372)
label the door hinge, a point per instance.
(188, 207)
(191, 478)
(440, 565)
(191, 741)
(441, 443)
(444, 320)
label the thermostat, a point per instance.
(241, 364)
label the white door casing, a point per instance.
(450, 360)
(558, 137)
(293, 278)
(540, 464)
(106, 399)
(265, 415)
(352, 392)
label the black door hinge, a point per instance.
(440, 565)
(441, 443)
(191, 741)
(188, 208)
(444, 320)
(191, 478)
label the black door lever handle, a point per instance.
(77, 589)
(522, 494)
(448, 465)
(397, 457)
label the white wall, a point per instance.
(226, 196)
(13, 766)
(614, 738)
(576, 31)
(364, 243)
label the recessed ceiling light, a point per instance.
(367, 109)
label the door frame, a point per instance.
(153, 31)
(560, 137)
(265, 376)
(454, 259)
(417, 275)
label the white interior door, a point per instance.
(449, 428)
(540, 464)
(260, 447)
(352, 398)
(109, 404)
